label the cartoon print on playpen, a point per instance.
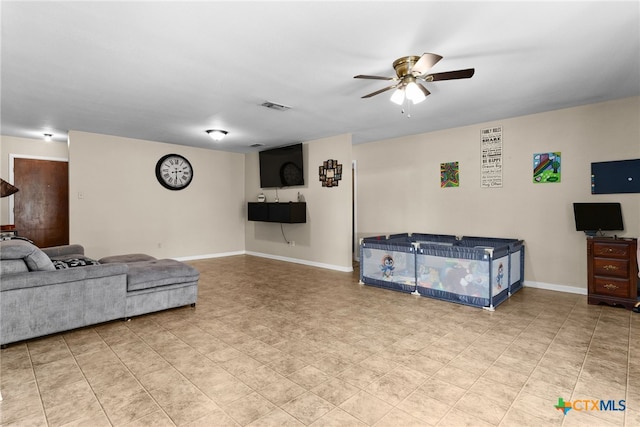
(393, 267)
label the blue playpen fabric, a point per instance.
(475, 271)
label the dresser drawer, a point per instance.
(610, 250)
(612, 287)
(611, 267)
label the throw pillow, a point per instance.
(62, 264)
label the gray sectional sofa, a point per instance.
(44, 291)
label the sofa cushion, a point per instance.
(32, 279)
(64, 251)
(161, 272)
(34, 258)
(62, 264)
(126, 258)
(13, 266)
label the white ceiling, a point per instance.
(167, 71)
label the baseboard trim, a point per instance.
(263, 255)
(554, 287)
(302, 261)
(207, 256)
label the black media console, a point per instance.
(291, 212)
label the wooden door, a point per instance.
(41, 207)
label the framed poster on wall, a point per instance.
(546, 168)
(449, 174)
(491, 157)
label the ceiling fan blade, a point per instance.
(423, 89)
(379, 91)
(449, 75)
(362, 76)
(425, 63)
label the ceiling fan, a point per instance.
(411, 69)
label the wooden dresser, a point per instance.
(612, 271)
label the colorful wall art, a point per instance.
(449, 174)
(546, 168)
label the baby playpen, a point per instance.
(476, 271)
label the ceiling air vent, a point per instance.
(256, 145)
(275, 106)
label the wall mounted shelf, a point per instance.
(290, 213)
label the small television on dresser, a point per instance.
(598, 217)
(281, 167)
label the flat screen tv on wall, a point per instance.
(281, 167)
(594, 217)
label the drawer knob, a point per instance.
(609, 249)
(610, 286)
(609, 267)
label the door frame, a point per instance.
(12, 158)
(354, 213)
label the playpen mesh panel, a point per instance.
(388, 266)
(459, 276)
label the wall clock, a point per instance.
(174, 172)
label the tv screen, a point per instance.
(598, 216)
(281, 167)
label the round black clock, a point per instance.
(174, 172)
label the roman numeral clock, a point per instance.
(174, 172)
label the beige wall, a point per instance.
(398, 187)
(24, 147)
(325, 240)
(125, 210)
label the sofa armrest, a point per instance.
(63, 250)
(48, 278)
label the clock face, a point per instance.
(174, 172)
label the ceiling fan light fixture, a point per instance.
(398, 96)
(409, 71)
(217, 134)
(414, 93)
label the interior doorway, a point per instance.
(40, 210)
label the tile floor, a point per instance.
(280, 344)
